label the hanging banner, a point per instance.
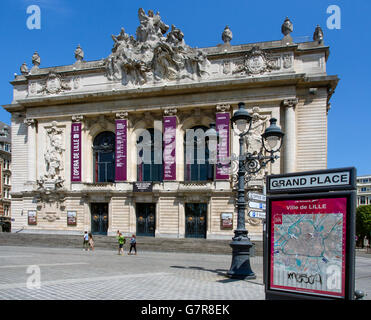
(222, 127)
(121, 150)
(76, 152)
(169, 148)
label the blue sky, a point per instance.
(67, 23)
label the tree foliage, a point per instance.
(363, 222)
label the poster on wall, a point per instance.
(222, 127)
(308, 246)
(169, 148)
(32, 217)
(76, 152)
(71, 218)
(227, 220)
(121, 150)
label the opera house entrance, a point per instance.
(146, 219)
(195, 220)
(99, 218)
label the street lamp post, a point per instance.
(249, 164)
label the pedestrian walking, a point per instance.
(133, 244)
(121, 240)
(91, 242)
(86, 241)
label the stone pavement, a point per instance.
(74, 274)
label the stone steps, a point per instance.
(106, 242)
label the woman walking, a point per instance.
(121, 240)
(133, 244)
(91, 242)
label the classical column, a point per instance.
(31, 149)
(289, 143)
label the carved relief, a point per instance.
(152, 56)
(287, 61)
(257, 62)
(54, 84)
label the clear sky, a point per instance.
(90, 23)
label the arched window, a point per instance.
(150, 171)
(196, 171)
(104, 157)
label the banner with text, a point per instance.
(222, 127)
(76, 152)
(169, 148)
(121, 150)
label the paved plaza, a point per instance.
(74, 274)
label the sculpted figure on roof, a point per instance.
(152, 56)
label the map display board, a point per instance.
(308, 246)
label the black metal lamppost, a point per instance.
(249, 164)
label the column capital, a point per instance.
(223, 107)
(170, 111)
(122, 115)
(77, 118)
(290, 103)
(30, 122)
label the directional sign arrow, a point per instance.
(256, 205)
(257, 214)
(256, 196)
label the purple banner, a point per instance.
(169, 148)
(121, 150)
(222, 127)
(76, 152)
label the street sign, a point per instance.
(256, 196)
(256, 205)
(257, 214)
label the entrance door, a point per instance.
(99, 218)
(195, 215)
(146, 219)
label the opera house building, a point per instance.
(79, 132)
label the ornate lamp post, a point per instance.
(249, 164)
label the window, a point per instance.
(104, 157)
(363, 200)
(196, 170)
(150, 171)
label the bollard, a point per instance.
(359, 294)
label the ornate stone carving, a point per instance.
(290, 103)
(52, 180)
(54, 84)
(122, 115)
(79, 54)
(30, 122)
(223, 107)
(254, 138)
(77, 118)
(36, 60)
(257, 62)
(170, 111)
(286, 28)
(152, 56)
(318, 34)
(287, 60)
(227, 35)
(24, 69)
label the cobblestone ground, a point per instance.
(79, 275)
(104, 275)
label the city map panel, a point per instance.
(308, 246)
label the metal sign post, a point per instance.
(310, 247)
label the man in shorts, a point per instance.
(121, 240)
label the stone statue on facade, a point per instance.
(36, 61)
(258, 126)
(152, 56)
(286, 28)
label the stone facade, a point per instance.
(144, 79)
